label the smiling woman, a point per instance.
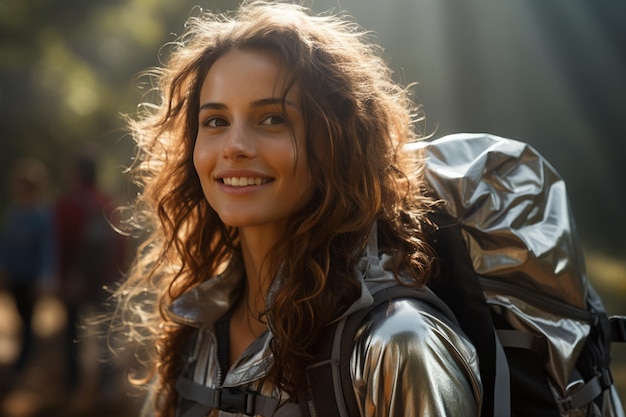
(245, 152)
(274, 160)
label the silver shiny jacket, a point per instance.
(406, 361)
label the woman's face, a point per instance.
(245, 153)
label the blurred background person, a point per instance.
(91, 258)
(26, 251)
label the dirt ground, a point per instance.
(39, 390)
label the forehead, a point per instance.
(246, 74)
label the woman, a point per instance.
(275, 148)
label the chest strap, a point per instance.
(232, 400)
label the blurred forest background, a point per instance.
(551, 73)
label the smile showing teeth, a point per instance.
(244, 182)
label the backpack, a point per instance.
(513, 274)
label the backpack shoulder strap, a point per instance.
(459, 287)
(334, 350)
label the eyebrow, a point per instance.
(257, 103)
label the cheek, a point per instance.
(196, 160)
(203, 175)
(201, 158)
(203, 165)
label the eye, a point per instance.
(274, 119)
(215, 122)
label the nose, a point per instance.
(239, 143)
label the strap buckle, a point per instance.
(618, 328)
(234, 400)
(606, 378)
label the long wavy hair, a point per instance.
(357, 122)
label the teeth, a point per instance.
(244, 182)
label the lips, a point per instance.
(244, 181)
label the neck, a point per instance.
(255, 246)
(245, 322)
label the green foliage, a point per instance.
(67, 71)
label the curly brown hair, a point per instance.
(357, 122)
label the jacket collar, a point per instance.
(206, 303)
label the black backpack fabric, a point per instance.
(513, 274)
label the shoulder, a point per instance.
(409, 346)
(406, 323)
